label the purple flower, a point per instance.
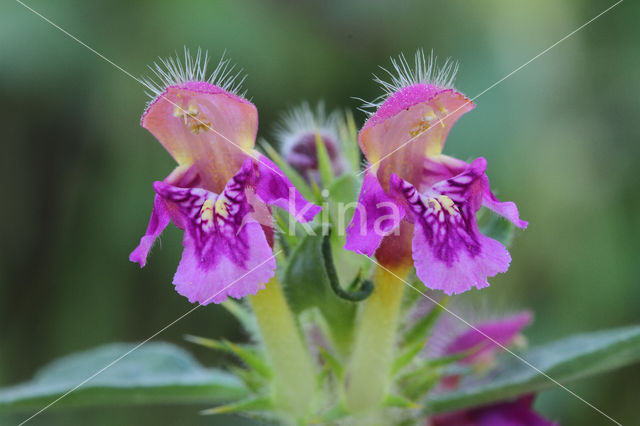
(417, 204)
(220, 192)
(297, 134)
(510, 413)
(484, 339)
(488, 337)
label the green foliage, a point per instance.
(324, 162)
(153, 373)
(246, 353)
(306, 284)
(564, 360)
(496, 227)
(421, 329)
(163, 373)
(349, 140)
(261, 403)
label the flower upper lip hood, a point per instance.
(412, 123)
(412, 119)
(204, 125)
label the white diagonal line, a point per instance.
(145, 341)
(497, 343)
(494, 85)
(207, 125)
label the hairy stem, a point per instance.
(293, 370)
(368, 376)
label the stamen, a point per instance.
(448, 204)
(192, 118)
(206, 212)
(221, 206)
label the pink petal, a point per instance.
(200, 124)
(501, 331)
(412, 123)
(367, 227)
(225, 252)
(274, 188)
(159, 220)
(466, 272)
(449, 253)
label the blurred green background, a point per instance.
(561, 137)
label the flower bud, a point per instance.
(297, 135)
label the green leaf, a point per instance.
(244, 352)
(341, 205)
(423, 326)
(399, 401)
(331, 416)
(324, 162)
(261, 403)
(414, 384)
(243, 315)
(251, 359)
(306, 286)
(496, 227)
(343, 193)
(152, 373)
(407, 356)
(333, 363)
(349, 140)
(564, 360)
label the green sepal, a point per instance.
(252, 380)
(361, 288)
(338, 412)
(260, 403)
(418, 383)
(451, 359)
(419, 331)
(246, 354)
(242, 314)
(286, 236)
(333, 363)
(349, 139)
(407, 356)
(400, 402)
(324, 162)
(306, 286)
(494, 226)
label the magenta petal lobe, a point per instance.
(376, 215)
(449, 252)
(159, 220)
(274, 188)
(225, 251)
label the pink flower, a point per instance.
(210, 130)
(297, 134)
(488, 337)
(485, 340)
(410, 182)
(510, 413)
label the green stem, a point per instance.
(368, 376)
(293, 370)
